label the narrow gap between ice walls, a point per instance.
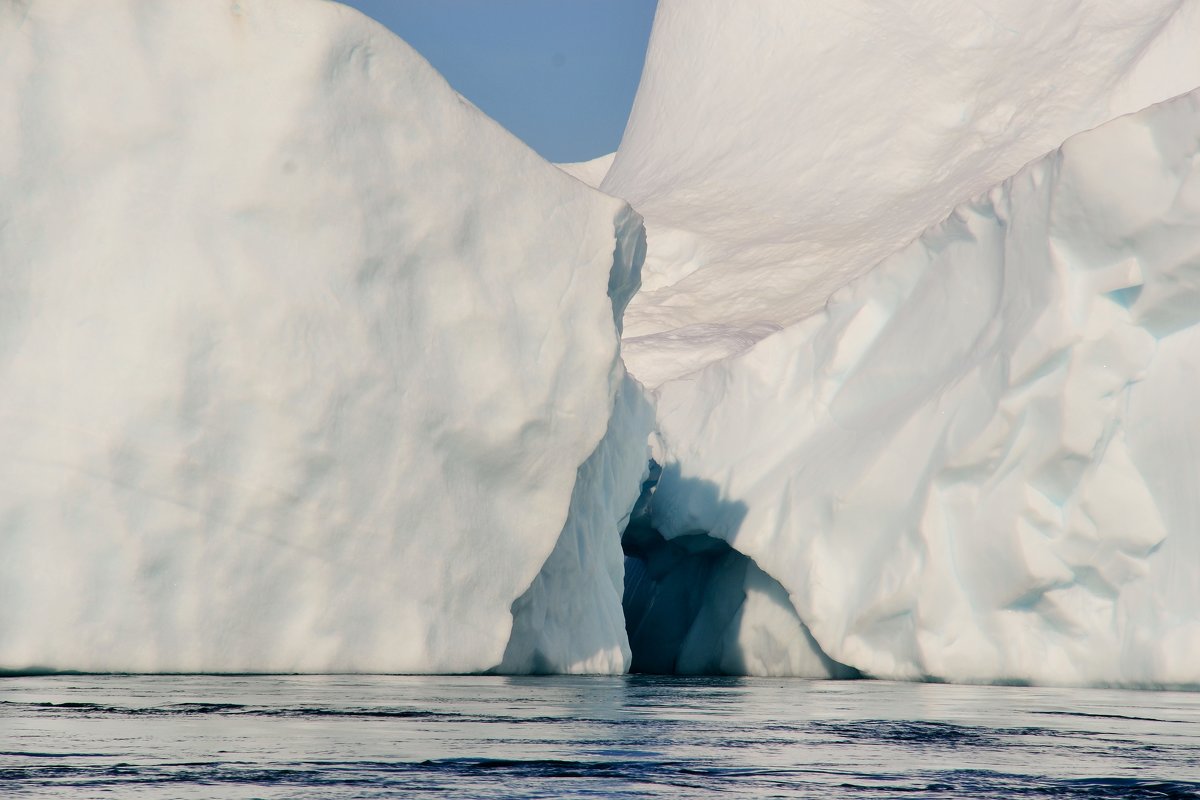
(570, 618)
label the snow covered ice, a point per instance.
(300, 354)
(306, 365)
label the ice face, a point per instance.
(570, 619)
(778, 149)
(962, 457)
(978, 462)
(304, 363)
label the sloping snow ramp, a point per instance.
(300, 355)
(778, 149)
(981, 461)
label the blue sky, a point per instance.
(560, 74)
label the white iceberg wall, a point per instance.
(300, 354)
(570, 619)
(779, 149)
(978, 463)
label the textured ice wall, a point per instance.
(980, 461)
(300, 355)
(570, 619)
(778, 149)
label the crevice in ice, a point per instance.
(570, 619)
(625, 277)
(696, 606)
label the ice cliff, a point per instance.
(304, 363)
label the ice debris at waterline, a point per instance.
(306, 365)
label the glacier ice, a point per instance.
(570, 619)
(979, 461)
(305, 364)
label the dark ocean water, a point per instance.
(415, 737)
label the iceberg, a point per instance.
(305, 364)
(308, 366)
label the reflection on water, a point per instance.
(638, 736)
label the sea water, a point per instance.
(561, 737)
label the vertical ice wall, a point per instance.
(979, 462)
(570, 619)
(301, 357)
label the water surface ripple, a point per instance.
(586, 737)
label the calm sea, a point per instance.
(413, 737)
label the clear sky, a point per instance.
(560, 74)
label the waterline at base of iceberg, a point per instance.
(695, 606)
